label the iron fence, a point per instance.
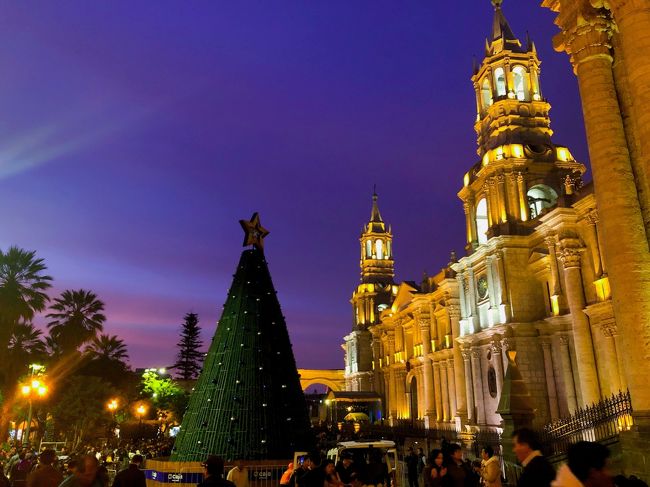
(599, 422)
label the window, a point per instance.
(500, 79)
(388, 250)
(486, 93)
(540, 197)
(519, 75)
(481, 221)
(368, 248)
(492, 381)
(379, 249)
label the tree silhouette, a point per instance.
(189, 358)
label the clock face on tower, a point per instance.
(482, 287)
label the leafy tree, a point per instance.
(76, 318)
(23, 283)
(78, 408)
(189, 358)
(108, 347)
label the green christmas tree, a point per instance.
(247, 402)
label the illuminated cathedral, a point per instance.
(534, 278)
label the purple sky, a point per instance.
(134, 135)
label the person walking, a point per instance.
(538, 472)
(412, 460)
(45, 475)
(587, 465)
(435, 472)
(490, 467)
(131, 476)
(213, 473)
(238, 475)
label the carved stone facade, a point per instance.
(534, 278)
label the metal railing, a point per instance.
(601, 422)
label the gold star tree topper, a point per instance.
(254, 232)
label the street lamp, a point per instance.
(35, 388)
(112, 407)
(141, 409)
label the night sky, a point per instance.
(134, 135)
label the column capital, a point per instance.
(608, 327)
(546, 342)
(520, 178)
(466, 207)
(564, 341)
(550, 240)
(450, 363)
(592, 217)
(443, 364)
(508, 343)
(570, 253)
(501, 178)
(453, 311)
(495, 346)
(476, 353)
(466, 353)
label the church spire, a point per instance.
(376, 224)
(502, 37)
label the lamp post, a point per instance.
(36, 387)
(141, 409)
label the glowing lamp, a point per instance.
(36, 384)
(25, 390)
(517, 150)
(555, 305)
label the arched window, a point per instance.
(540, 197)
(482, 221)
(388, 250)
(368, 248)
(500, 80)
(379, 249)
(486, 93)
(519, 77)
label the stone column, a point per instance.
(523, 198)
(633, 21)
(497, 359)
(488, 201)
(437, 384)
(489, 265)
(392, 399)
(400, 379)
(556, 288)
(494, 198)
(468, 222)
(424, 320)
(478, 386)
(550, 378)
(513, 198)
(471, 291)
(451, 387)
(445, 390)
(459, 370)
(624, 238)
(501, 189)
(469, 387)
(503, 285)
(609, 352)
(567, 375)
(582, 340)
(376, 355)
(592, 238)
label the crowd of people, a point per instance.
(120, 465)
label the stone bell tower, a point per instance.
(521, 172)
(373, 295)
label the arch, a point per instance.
(540, 197)
(486, 93)
(368, 248)
(379, 249)
(482, 224)
(334, 379)
(520, 81)
(388, 249)
(500, 81)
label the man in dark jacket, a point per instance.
(412, 461)
(45, 474)
(213, 473)
(538, 472)
(131, 476)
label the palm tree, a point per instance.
(26, 346)
(76, 318)
(108, 347)
(22, 291)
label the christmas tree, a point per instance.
(247, 402)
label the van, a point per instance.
(362, 451)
